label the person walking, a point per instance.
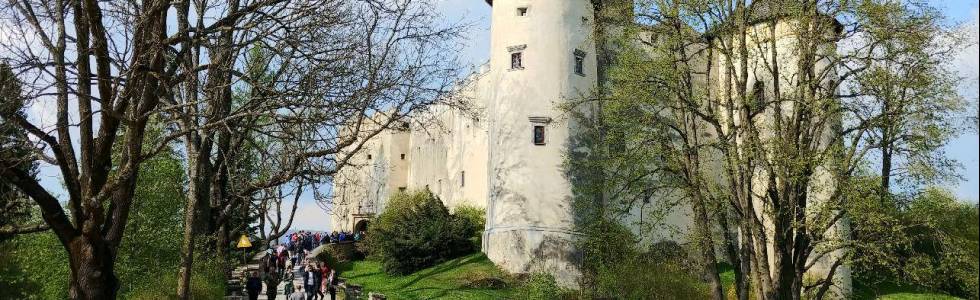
(298, 294)
(321, 288)
(329, 281)
(311, 281)
(287, 277)
(253, 286)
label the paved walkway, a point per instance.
(297, 279)
(297, 275)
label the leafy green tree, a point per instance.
(17, 213)
(760, 116)
(932, 244)
(913, 93)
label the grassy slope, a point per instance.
(895, 292)
(883, 292)
(444, 281)
(448, 280)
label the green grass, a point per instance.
(888, 291)
(881, 291)
(447, 280)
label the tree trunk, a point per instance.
(92, 275)
(187, 259)
(734, 255)
(707, 249)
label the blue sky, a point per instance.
(963, 148)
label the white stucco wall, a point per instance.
(529, 220)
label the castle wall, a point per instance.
(450, 153)
(450, 146)
(529, 220)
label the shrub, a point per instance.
(472, 220)
(538, 286)
(930, 244)
(416, 231)
(614, 268)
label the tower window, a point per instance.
(517, 56)
(539, 134)
(369, 156)
(580, 62)
(403, 156)
(522, 11)
(462, 178)
(516, 62)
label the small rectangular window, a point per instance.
(538, 134)
(462, 178)
(401, 189)
(403, 156)
(516, 61)
(522, 11)
(369, 156)
(579, 62)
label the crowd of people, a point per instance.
(277, 266)
(308, 240)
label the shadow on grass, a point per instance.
(891, 290)
(453, 264)
(445, 280)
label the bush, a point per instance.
(931, 244)
(472, 220)
(614, 268)
(538, 286)
(416, 231)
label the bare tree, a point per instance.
(99, 186)
(278, 86)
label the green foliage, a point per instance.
(615, 268)
(471, 220)
(538, 286)
(606, 243)
(207, 282)
(416, 231)
(15, 151)
(34, 266)
(151, 247)
(149, 254)
(649, 277)
(932, 243)
(945, 251)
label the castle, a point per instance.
(509, 159)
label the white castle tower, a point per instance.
(510, 160)
(541, 54)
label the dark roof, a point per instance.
(766, 11)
